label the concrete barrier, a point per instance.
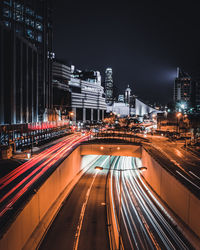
(32, 222)
(117, 149)
(182, 202)
(111, 216)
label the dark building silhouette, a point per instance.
(195, 94)
(182, 88)
(25, 61)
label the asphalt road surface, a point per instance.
(81, 222)
(181, 163)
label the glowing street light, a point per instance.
(178, 115)
(121, 170)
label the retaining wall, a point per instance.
(176, 195)
(34, 219)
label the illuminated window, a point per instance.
(18, 6)
(38, 26)
(39, 17)
(29, 34)
(7, 24)
(6, 12)
(39, 38)
(17, 16)
(29, 11)
(27, 21)
(8, 2)
(32, 23)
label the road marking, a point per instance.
(80, 222)
(187, 179)
(194, 175)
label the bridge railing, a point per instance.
(121, 135)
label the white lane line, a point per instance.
(187, 179)
(80, 222)
(194, 175)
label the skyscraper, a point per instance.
(25, 61)
(182, 89)
(127, 95)
(109, 86)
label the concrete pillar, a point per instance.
(98, 114)
(1, 79)
(32, 82)
(27, 87)
(91, 114)
(37, 94)
(74, 115)
(102, 114)
(21, 82)
(13, 83)
(84, 114)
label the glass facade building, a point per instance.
(25, 61)
(182, 89)
(109, 86)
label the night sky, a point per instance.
(142, 42)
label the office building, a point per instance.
(182, 89)
(195, 95)
(25, 61)
(127, 95)
(87, 96)
(61, 91)
(109, 86)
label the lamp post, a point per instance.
(71, 115)
(178, 115)
(120, 191)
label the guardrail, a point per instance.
(127, 136)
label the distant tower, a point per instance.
(182, 87)
(109, 86)
(127, 95)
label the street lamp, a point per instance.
(70, 115)
(178, 115)
(120, 191)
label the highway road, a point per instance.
(186, 166)
(81, 222)
(144, 222)
(15, 185)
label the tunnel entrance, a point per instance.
(111, 149)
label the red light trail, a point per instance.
(49, 157)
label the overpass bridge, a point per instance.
(31, 223)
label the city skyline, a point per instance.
(143, 43)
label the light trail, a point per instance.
(40, 167)
(146, 224)
(24, 184)
(33, 161)
(187, 179)
(24, 167)
(194, 175)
